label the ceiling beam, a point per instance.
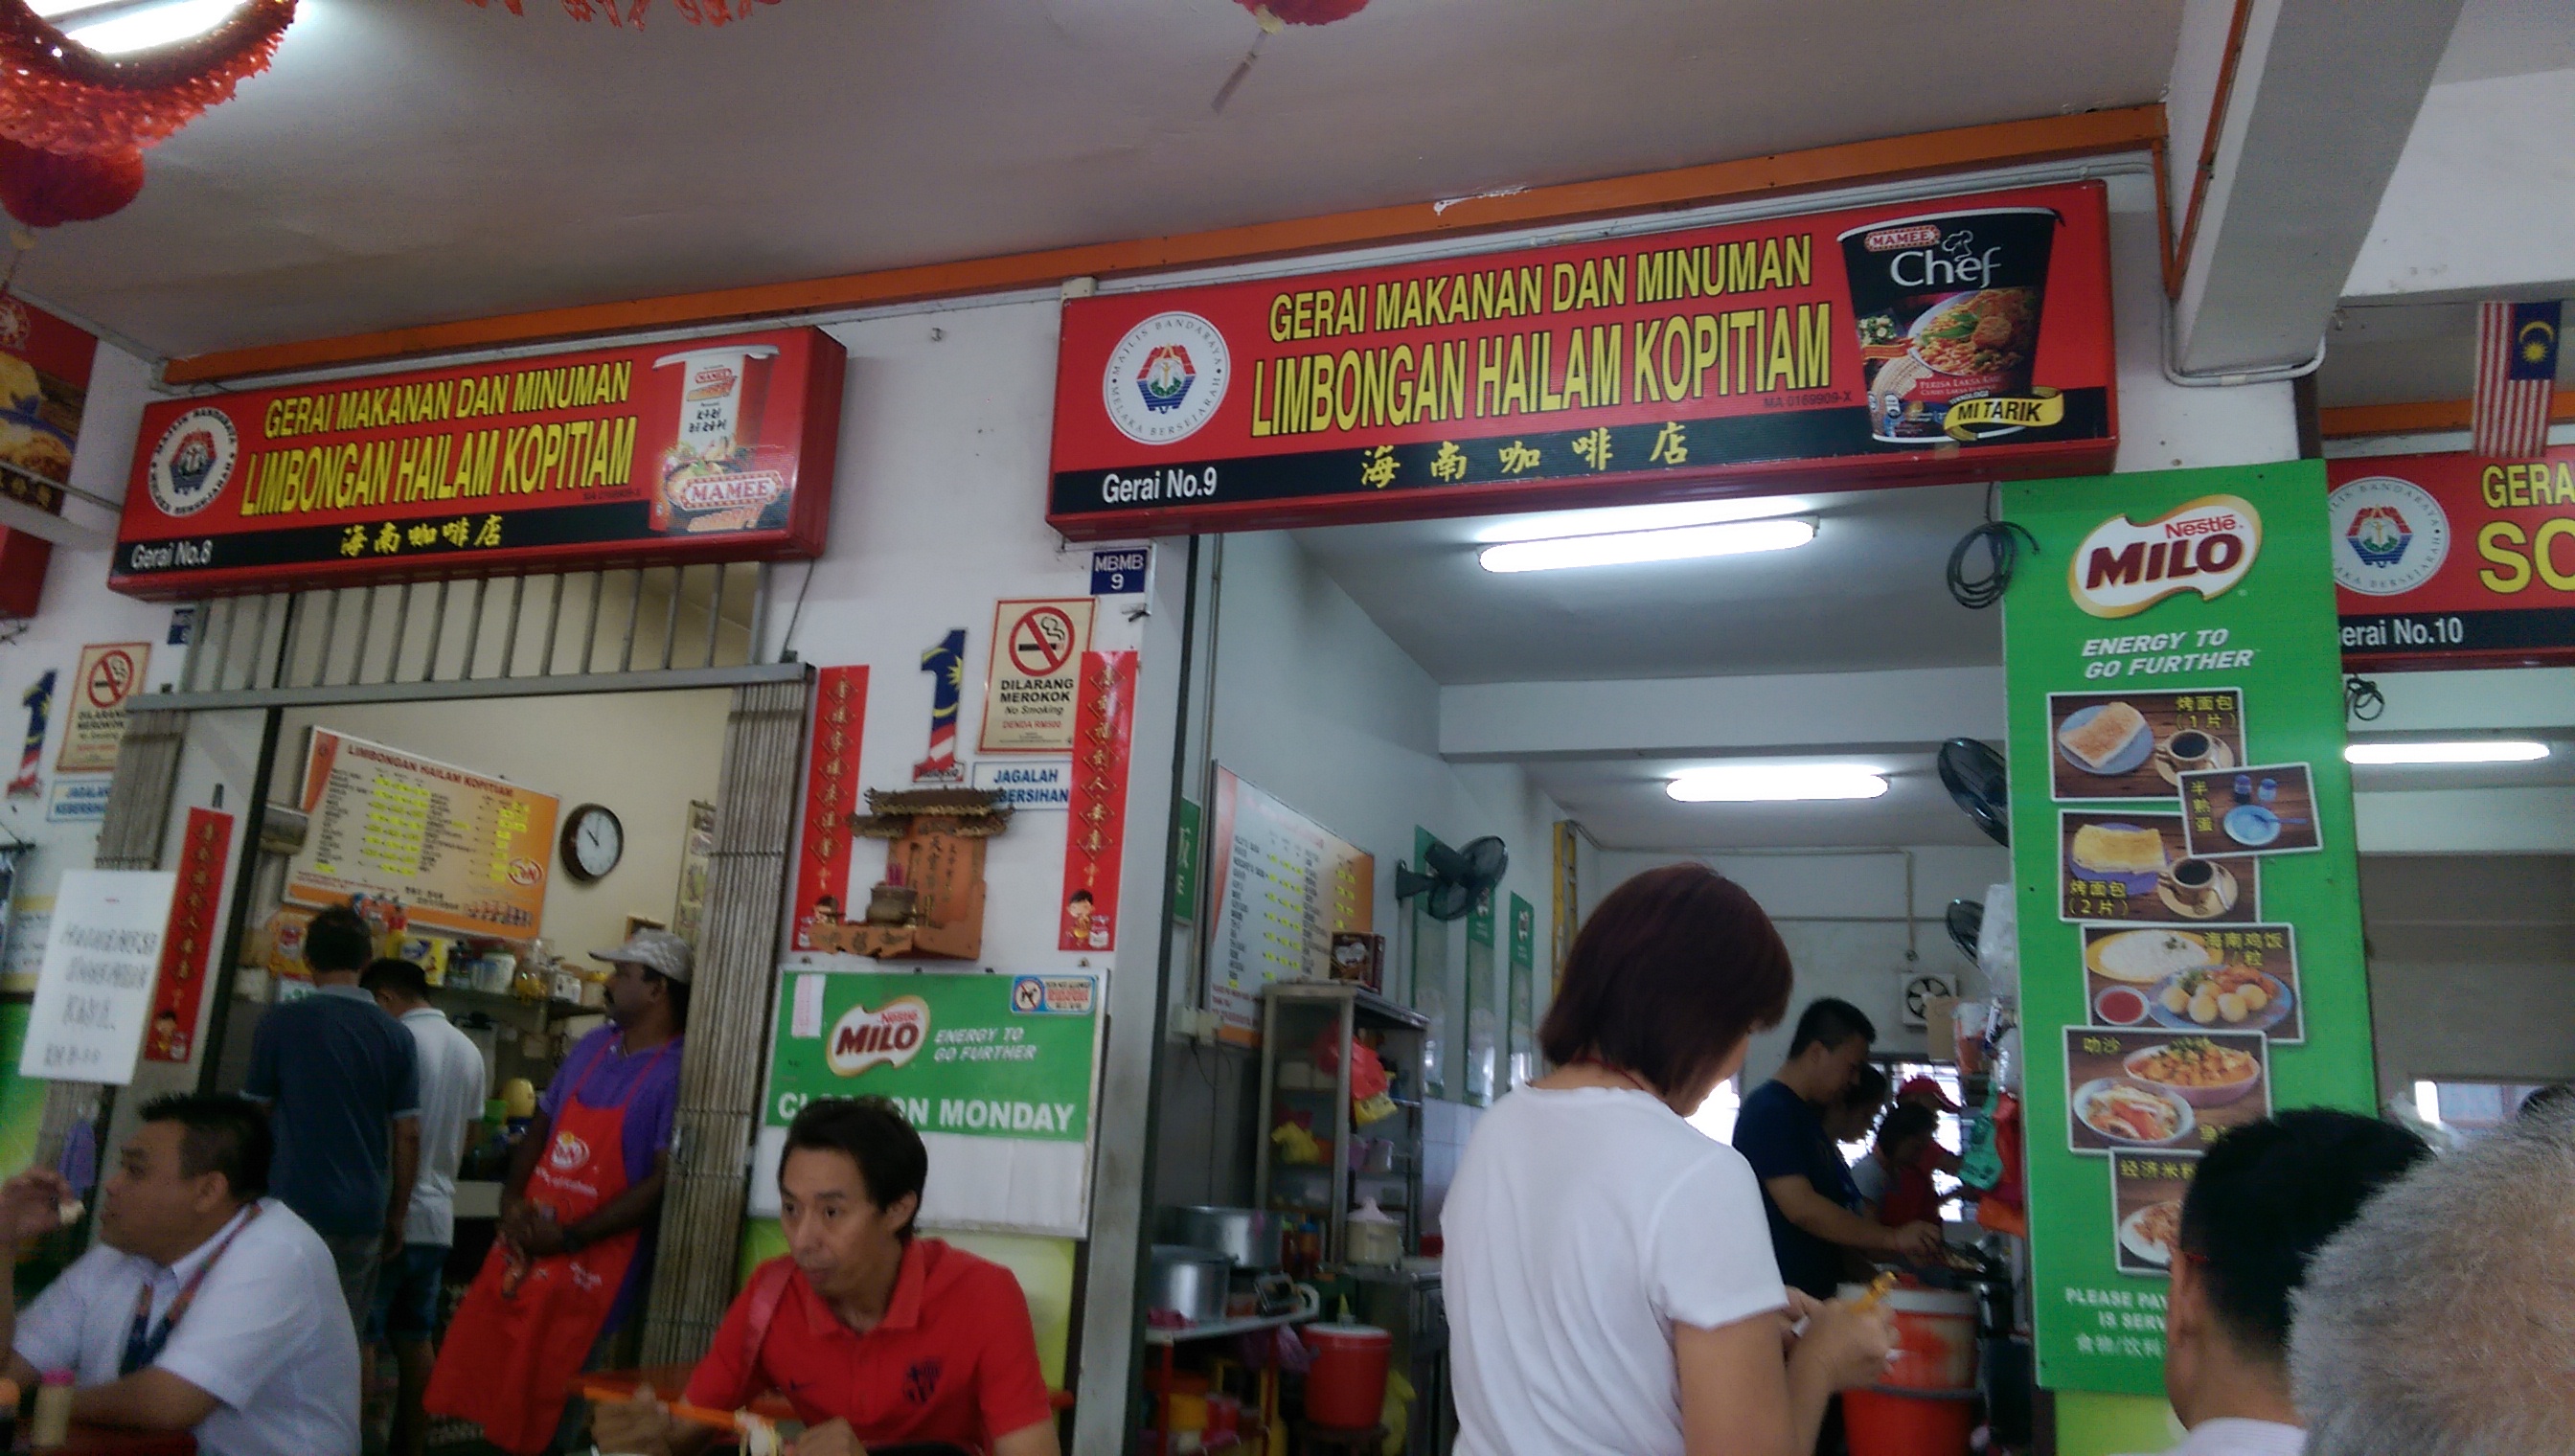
(2307, 106)
(1668, 716)
(2418, 417)
(1958, 149)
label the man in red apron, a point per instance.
(583, 1189)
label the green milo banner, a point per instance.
(994, 1070)
(2181, 825)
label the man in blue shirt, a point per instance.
(1781, 1132)
(341, 1083)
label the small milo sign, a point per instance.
(976, 1054)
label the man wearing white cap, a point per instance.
(580, 1213)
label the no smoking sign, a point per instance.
(110, 674)
(110, 678)
(1042, 640)
(1037, 664)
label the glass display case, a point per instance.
(1323, 1151)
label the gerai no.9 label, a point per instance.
(2124, 567)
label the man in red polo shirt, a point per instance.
(1910, 1194)
(878, 1338)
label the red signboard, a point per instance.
(1967, 337)
(2454, 561)
(1095, 832)
(681, 452)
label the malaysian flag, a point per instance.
(2516, 378)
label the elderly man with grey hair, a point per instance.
(2443, 1321)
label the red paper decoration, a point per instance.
(64, 98)
(44, 189)
(73, 123)
(1303, 12)
(695, 12)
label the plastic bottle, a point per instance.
(52, 1423)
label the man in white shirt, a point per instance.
(205, 1307)
(2266, 1197)
(454, 1081)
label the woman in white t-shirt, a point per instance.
(1608, 1272)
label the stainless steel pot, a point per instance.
(1189, 1281)
(1248, 1237)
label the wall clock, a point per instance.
(593, 842)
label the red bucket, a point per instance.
(1347, 1388)
(1908, 1423)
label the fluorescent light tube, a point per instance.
(130, 30)
(1626, 547)
(2462, 751)
(1775, 783)
(1662, 516)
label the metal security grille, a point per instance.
(589, 632)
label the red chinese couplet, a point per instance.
(831, 795)
(1095, 830)
(194, 910)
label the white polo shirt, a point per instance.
(268, 1335)
(453, 1086)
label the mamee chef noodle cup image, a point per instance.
(1947, 308)
(711, 477)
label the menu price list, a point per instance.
(1286, 885)
(457, 850)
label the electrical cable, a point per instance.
(2362, 699)
(2005, 541)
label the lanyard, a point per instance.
(143, 1343)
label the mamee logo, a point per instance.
(1896, 239)
(889, 1036)
(193, 461)
(1165, 378)
(2125, 567)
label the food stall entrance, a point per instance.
(494, 840)
(478, 650)
(1466, 629)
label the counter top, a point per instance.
(113, 1441)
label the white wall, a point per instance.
(77, 610)
(2482, 197)
(1843, 917)
(644, 755)
(1319, 707)
(939, 511)
(2471, 966)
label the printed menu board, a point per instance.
(1283, 886)
(459, 850)
(2189, 910)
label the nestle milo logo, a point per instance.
(889, 1036)
(2124, 567)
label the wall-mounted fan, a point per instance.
(1966, 920)
(1973, 775)
(1457, 878)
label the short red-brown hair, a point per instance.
(1673, 970)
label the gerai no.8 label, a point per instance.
(2124, 567)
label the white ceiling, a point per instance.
(1623, 804)
(1865, 595)
(412, 161)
